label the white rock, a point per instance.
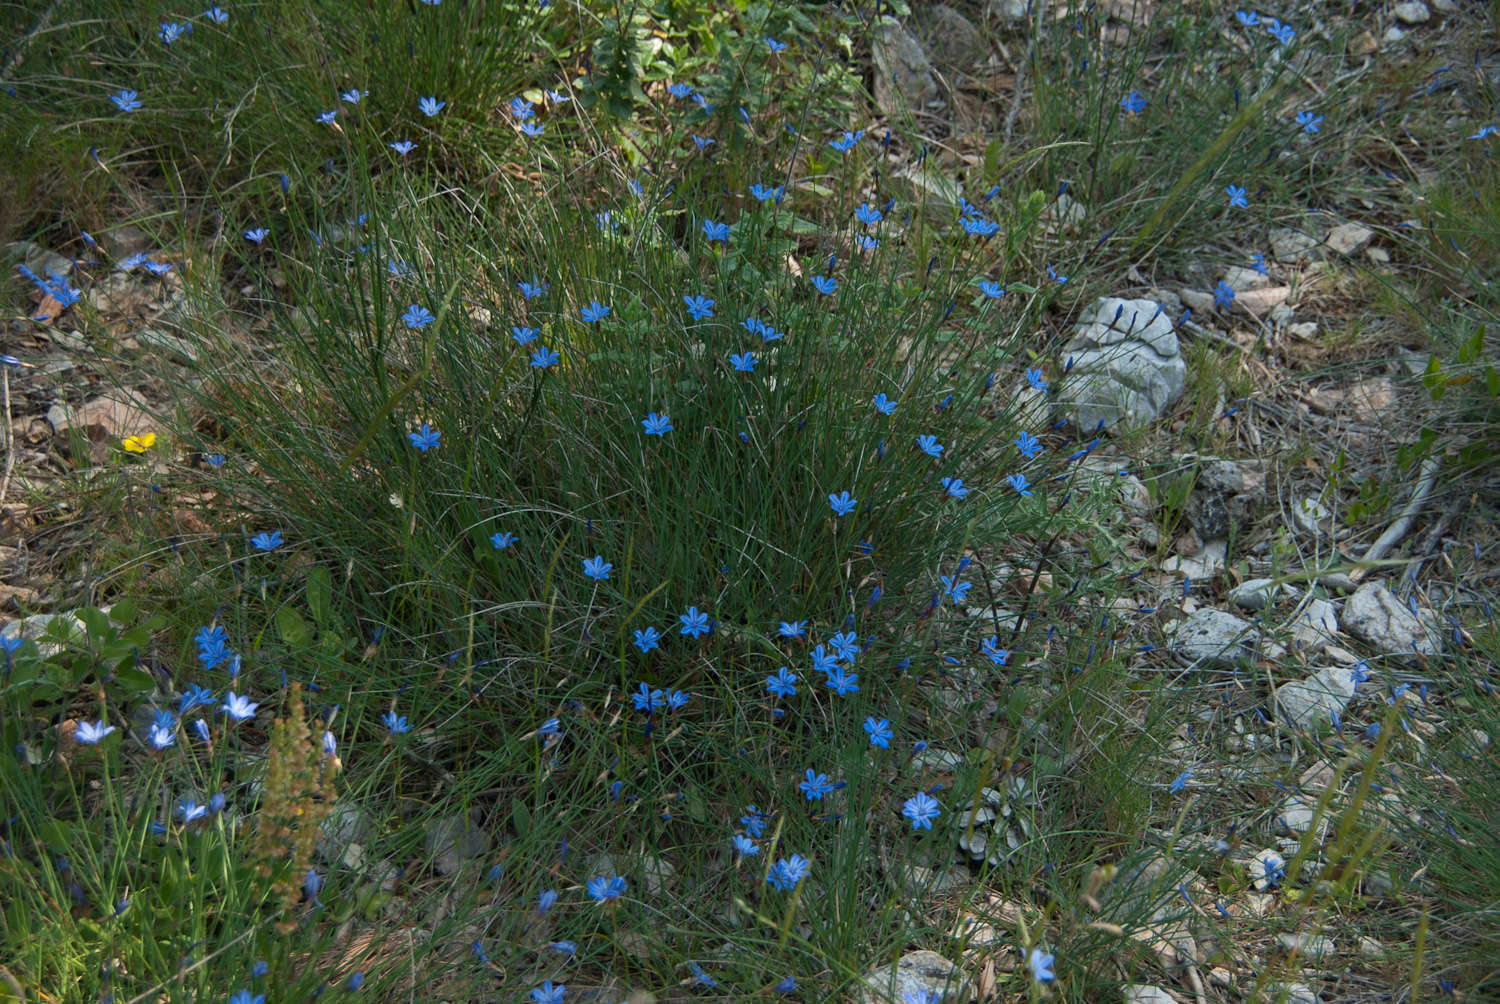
(1445, 6)
(1289, 246)
(1296, 814)
(1349, 238)
(1127, 367)
(1253, 594)
(1208, 562)
(453, 839)
(1314, 947)
(1370, 948)
(903, 73)
(1304, 704)
(1316, 625)
(924, 975)
(1393, 36)
(1244, 279)
(1413, 12)
(1142, 993)
(1374, 614)
(1215, 638)
(1009, 10)
(1309, 514)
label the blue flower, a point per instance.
(976, 226)
(551, 727)
(266, 541)
(126, 101)
(430, 106)
(89, 733)
(992, 290)
(425, 438)
(694, 622)
(1309, 121)
(647, 639)
(846, 142)
(1236, 196)
(545, 900)
(596, 567)
(1485, 131)
(824, 661)
(656, 425)
(991, 649)
(194, 697)
(764, 194)
(842, 504)
(189, 810)
(1040, 963)
(783, 684)
(326, 118)
(786, 873)
(417, 316)
(1258, 262)
(1020, 484)
(955, 590)
(921, 809)
(1247, 18)
(679, 90)
(716, 231)
(533, 289)
(774, 45)
(543, 358)
(1283, 33)
(884, 405)
(929, 445)
(845, 644)
(842, 682)
(743, 362)
(1028, 445)
(523, 334)
(547, 993)
(1180, 781)
(786, 986)
(354, 95)
(395, 724)
(172, 31)
(879, 731)
(245, 997)
(216, 15)
(594, 312)
(866, 242)
(824, 284)
(1359, 673)
(866, 215)
(791, 629)
(744, 846)
(238, 707)
(1133, 103)
(163, 731)
(1223, 294)
(503, 540)
(256, 235)
(602, 889)
(703, 143)
(646, 698)
(815, 785)
(955, 487)
(699, 307)
(521, 108)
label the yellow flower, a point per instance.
(139, 444)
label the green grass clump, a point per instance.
(634, 502)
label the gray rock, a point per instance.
(1314, 947)
(1146, 893)
(1445, 6)
(1412, 12)
(1349, 238)
(921, 974)
(1316, 626)
(39, 259)
(1254, 594)
(952, 38)
(1224, 498)
(1245, 279)
(1310, 515)
(1009, 11)
(1393, 36)
(903, 73)
(180, 349)
(452, 840)
(32, 628)
(1292, 993)
(930, 189)
(1296, 815)
(1305, 703)
(1143, 993)
(1374, 614)
(1127, 367)
(1291, 246)
(1197, 301)
(1215, 638)
(346, 826)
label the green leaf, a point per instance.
(133, 680)
(123, 611)
(319, 596)
(520, 818)
(292, 628)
